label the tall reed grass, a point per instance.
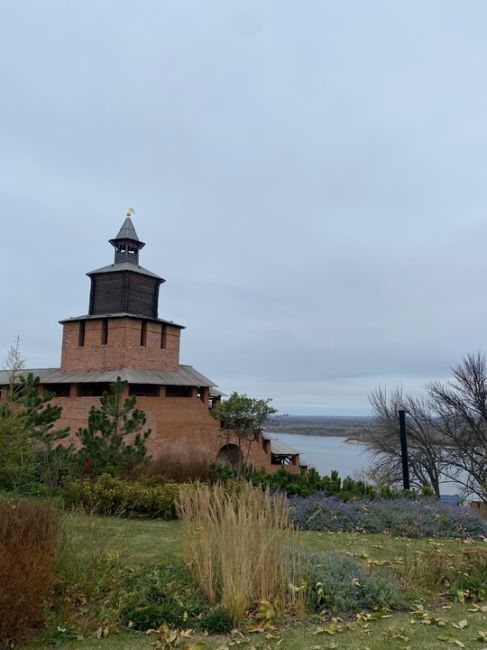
(178, 465)
(30, 538)
(236, 544)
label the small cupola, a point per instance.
(125, 286)
(127, 244)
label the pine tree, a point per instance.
(114, 441)
(27, 429)
(40, 414)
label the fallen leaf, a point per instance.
(450, 639)
(331, 628)
(461, 624)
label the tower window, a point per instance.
(82, 331)
(93, 390)
(145, 390)
(59, 390)
(143, 333)
(163, 337)
(179, 391)
(104, 331)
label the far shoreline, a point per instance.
(351, 440)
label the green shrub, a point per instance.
(167, 594)
(305, 484)
(216, 621)
(473, 585)
(340, 584)
(30, 536)
(141, 598)
(111, 496)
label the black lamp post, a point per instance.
(404, 448)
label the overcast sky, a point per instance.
(310, 178)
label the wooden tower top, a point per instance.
(125, 286)
(127, 243)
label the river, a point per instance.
(326, 453)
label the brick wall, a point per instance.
(180, 424)
(123, 348)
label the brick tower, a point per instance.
(123, 336)
(122, 328)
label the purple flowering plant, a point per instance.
(402, 517)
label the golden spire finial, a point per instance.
(130, 212)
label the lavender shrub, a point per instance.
(402, 517)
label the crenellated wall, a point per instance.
(123, 347)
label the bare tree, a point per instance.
(460, 406)
(426, 454)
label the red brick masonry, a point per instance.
(179, 424)
(123, 348)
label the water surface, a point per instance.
(327, 453)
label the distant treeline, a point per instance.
(320, 425)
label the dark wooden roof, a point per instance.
(125, 266)
(127, 231)
(125, 287)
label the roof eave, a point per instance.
(185, 376)
(85, 317)
(125, 268)
(139, 244)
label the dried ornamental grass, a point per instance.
(236, 545)
(463, 572)
(180, 465)
(30, 536)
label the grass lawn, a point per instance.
(395, 633)
(147, 542)
(139, 542)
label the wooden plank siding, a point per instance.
(140, 295)
(123, 291)
(107, 294)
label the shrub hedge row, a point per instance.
(411, 517)
(405, 517)
(304, 485)
(112, 496)
(154, 497)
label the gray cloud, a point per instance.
(309, 178)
